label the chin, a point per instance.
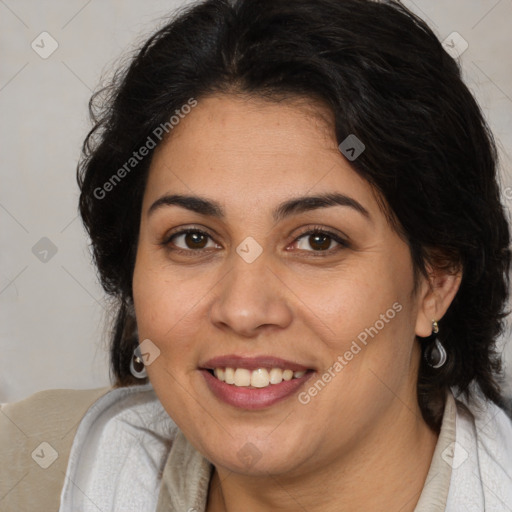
(257, 457)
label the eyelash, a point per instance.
(312, 231)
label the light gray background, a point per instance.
(53, 315)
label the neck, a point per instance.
(385, 470)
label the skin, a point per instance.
(361, 443)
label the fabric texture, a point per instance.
(118, 450)
(117, 459)
(482, 460)
(36, 435)
(434, 495)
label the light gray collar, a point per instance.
(185, 479)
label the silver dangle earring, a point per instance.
(137, 366)
(435, 353)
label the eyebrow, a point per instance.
(293, 206)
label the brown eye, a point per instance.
(190, 239)
(320, 242)
(317, 240)
(195, 240)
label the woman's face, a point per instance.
(251, 287)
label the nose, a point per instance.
(250, 299)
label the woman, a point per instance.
(296, 206)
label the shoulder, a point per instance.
(482, 457)
(491, 427)
(36, 435)
(125, 434)
(47, 405)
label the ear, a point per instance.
(435, 296)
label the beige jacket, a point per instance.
(32, 433)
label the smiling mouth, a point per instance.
(259, 378)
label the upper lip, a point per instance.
(252, 363)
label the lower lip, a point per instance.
(253, 398)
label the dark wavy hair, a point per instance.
(387, 79)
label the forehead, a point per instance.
(250, 152)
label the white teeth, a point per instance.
(260, 378)
(242, 377)
(229, 376)
(287, 375)
(276, 376)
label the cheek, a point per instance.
(166, 304)
(360, 304)
(371, 323)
